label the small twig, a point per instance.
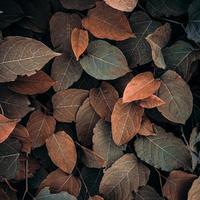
(174, 22)
(2, 111)
(8, 183)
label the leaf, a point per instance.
(96, 197)
(103, 99)
(194, 191)
(66, 71)
(62, 151)
(126, 120)
(147, 193)
(107, 23)
(137, 50)
(4, 196)
(146, 128)
(163, 151)
(79, 41)
(66, 104)
(192, 28)
(45, 194)
(179, 57)
(178, 185)
(61, 26)
(104, 61)
(126, 175)
(6, 127)
(40, 126)
(86, 120)
(141, 86)
(127, 5)
(103, 143)
(22, 56)
(35, 84)
(157, 40)
(58, 181)
(14, 106)
(90, 158)
(151, 102)
(177, 96)
(9, 159)
(77, 4)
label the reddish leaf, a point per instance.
(62, 151)
(140, 87)
(146, 128)
(151, 102)
(96, 197)
(40, 126)
(106, 22)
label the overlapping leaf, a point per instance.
(194, 191)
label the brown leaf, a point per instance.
(126, 121)
(96, 197)
(103, 99)
(125, 5)
(86, 120)
(58, 181)
(90, 158)
(178, 185)
(146, 128)
(66, 71)
(106, 22)
(194, 191)
(61, 26)
(6, 127)
(40, 126)
(151, 102)
(141, 86)
(62, 151)
(79, 41)
(22, 56)
(157, 40)
(22, 134)
(125, 176)
(66, 104)
(30, 85)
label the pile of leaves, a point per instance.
(99, 99)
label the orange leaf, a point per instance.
(146, 128)
(151, 102)
(79, 41)
(140, 87)
(62, 151)
(96, 197)
(6, 127)
(106, 22)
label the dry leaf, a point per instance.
(22, 56)
(146, 128)
(62, 151)
(194, 191)
(40, 126)
(103, 99)
(157, 40)
(58, 181)
(141, 86)
(96, 197)
(66, 104)
(125, 5)
(126, 121)
(151, 102)
(79, 41)
(35, 84)
(106, 22)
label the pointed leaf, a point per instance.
(151, 102)
(146, 128)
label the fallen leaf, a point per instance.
(141, 86)
(107, 23)
(40, 126)
(62, 151)
(146, 128)
(104, 61)
(96, 197)
(126, 121)
(151, 102)
(22, 56)
(66, 71)
(177, 96)
(177, 185)
(66, 104)
(125, 176)
(157, 40)
(103, 99)
(58, 181)
(30, 85)
(79, 41)
(194, 191)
